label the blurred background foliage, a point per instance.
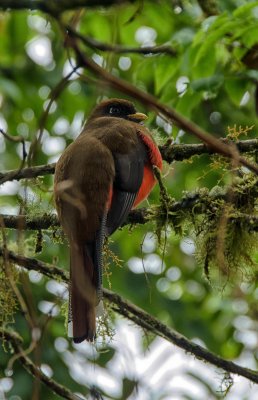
(211, 77)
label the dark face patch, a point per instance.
(118, 108)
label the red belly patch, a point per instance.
(147, 184)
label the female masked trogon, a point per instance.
(100, 177)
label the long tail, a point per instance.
(83, 296)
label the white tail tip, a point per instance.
(100, 309)
(70, 329)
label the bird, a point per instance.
(100, 177)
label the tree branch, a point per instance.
(152, 324)
(141, 318)
(30, 172)
(54, 7)
(179, 152)
(96, 44)
(170, 152)
(197, 202)
(34, 370)
(46, 221)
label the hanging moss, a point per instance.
(105, 327)
(8, 301)
(224, 224)
(225, 241)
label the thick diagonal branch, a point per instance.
(151, 102)
(141, 318)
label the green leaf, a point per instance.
(188, 102)
(211, 83)
(209, 24)
(208, 45)
(205, 62)
(236, 88)
(98, 26)
(18, 33)
(214, 22)
(183, 37)
(244, 10)
(10, 89)
(250, 37)
(252, 74)
(165, 68)
(106, 356)
(128, 388)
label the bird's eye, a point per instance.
(114, 110)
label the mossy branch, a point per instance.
(27, 173)
(180, 152)
(196, 203)
(170, 152)
(139, 317)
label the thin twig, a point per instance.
(96, 44)
(35, 371)
(54, 94)
(27, 173)
(17, 139)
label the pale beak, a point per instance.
(137, 117)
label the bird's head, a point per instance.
(117, 108)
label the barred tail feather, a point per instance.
(83, 297)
